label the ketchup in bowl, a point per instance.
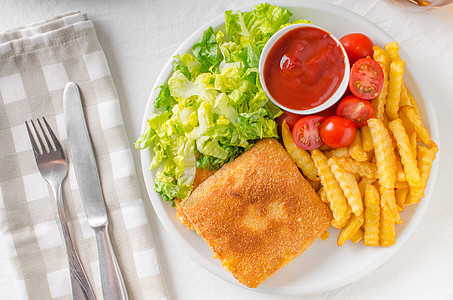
(303, 68)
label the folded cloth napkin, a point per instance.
(36, 62)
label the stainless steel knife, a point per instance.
(86, 172)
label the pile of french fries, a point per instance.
(369, 183)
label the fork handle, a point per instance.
(81, 288)
(113, 286)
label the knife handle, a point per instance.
(113, 286)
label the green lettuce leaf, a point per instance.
(257, 25)
(213, 107)
(207, 51)
(187, 64)
(164, 99)
(254, 126)
(168, 188)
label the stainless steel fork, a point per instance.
(53, 166)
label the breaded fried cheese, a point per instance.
(257, 213)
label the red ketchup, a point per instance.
(304, 68)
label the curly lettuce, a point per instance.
(213, 107)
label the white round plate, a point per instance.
(323, 266)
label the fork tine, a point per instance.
(32, 140)
(43, 148)
(49, 144)
(55, 140)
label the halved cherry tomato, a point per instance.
(355, 109)
(306, 132)
(366, 78)
(357, 45)
(289, 118)
(337, 132)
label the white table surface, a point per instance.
(139, 36)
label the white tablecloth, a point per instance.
(421, 269)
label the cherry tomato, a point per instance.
(357, 45)
(306, 132)
(337, 132)
(366, 79)
(355, 109)
(289, 118)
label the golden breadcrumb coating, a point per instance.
(257, 213)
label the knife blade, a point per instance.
(87, 175)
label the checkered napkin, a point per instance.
(36, 62)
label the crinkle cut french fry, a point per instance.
(408, 99)
(372, 216)
(322, 194)
(400, 175)
(407, 124)
(384, 153)
(363, 184)
(339, 225)
(413, 141)
(337, 200)
(337, 152)
(408, 158)
(385, 121)
(388, 195)
(364, 169)
(404, 98)
(358, 236)
(379, 101)
(411, 116)
(396, 73)
(350, 229)
(370, 155)
(392, 49)
(356, 148)
(415, 195)
(401, 184)
(425, 158)
(386, 226)
(367, 142)
(381, 55)
(301, 157)
(401, 196)
(383, 59)
(348, 184)
(377, 185)
(412, 100)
